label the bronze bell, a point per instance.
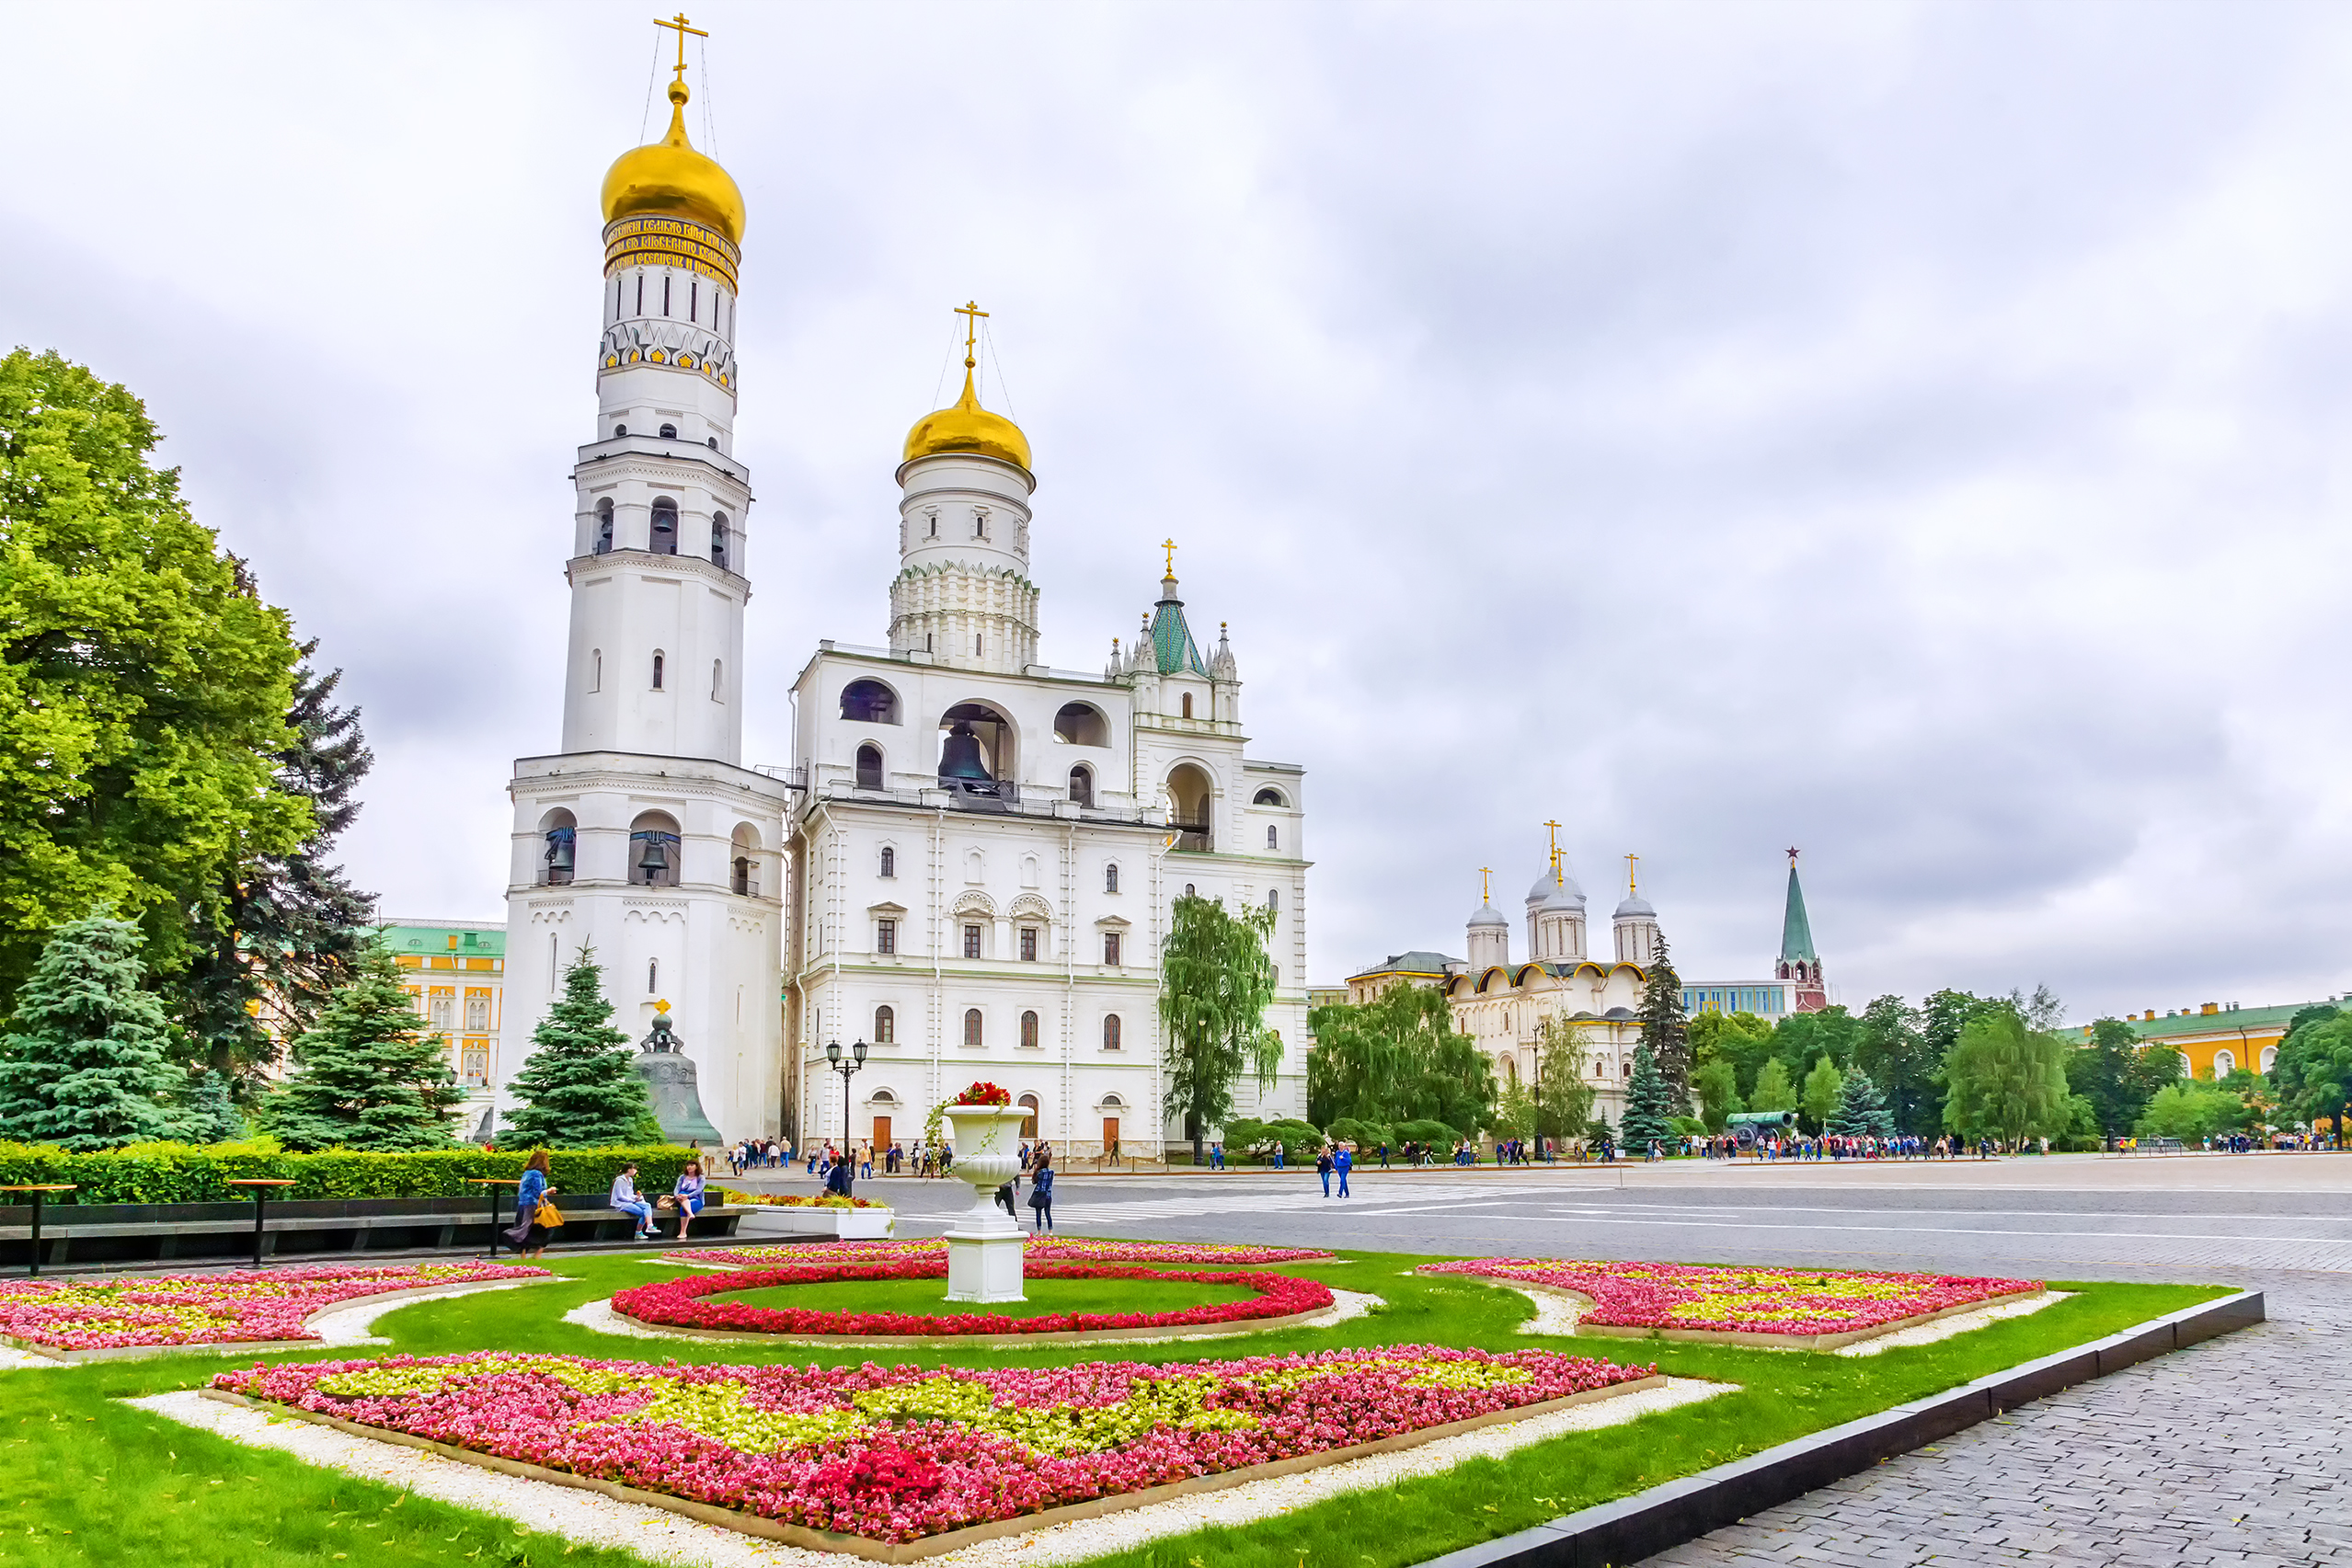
(960, 758)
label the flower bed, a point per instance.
(679, 1303)
(795, 1200)
(1038, 1249)
(901, 1454)
(208, 1309)
(1711, 1301)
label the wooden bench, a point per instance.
(316, 1229)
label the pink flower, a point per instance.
(228, 1308)
(1728, 1299)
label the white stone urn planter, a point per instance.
(843, 1224)
(984, 1247)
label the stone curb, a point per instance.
(1631, 1529)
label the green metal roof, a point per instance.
(473, 941)
(1796, 931)
(1420, 961)
(1171, 638)
(2225, 1020)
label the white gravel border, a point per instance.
(346, 1323)
(598, 1317)
(1556, 1314)
(659, 1536)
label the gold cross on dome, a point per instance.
(1486, 886)
(682, 29)
(1555, 848)
(1633, 864)
(973, 317)
(1169, 545)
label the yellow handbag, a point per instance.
(548, 1214)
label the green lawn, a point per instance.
(85, 1480)
(1045, 1297)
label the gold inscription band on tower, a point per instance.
(671, 242)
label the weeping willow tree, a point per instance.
(1216, 978)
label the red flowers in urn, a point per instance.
(983, 1094)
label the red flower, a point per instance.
(983, 1093)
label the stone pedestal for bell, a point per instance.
(669, 1074)
(984, 1247)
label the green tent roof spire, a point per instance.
(1796, 931)
(1171, 637)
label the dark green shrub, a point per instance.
(183, 1173)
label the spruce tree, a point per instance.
(211, 1116)
(579, 1089)
(369, 1076)
(290, 926)
(88, 1064)
(1861, 1111)
(1665, 1030)
(1650, 1105)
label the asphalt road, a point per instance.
(2238, 1451)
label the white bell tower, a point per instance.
(644, 837)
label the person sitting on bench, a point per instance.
(625, 1199)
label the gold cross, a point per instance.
(1633, 864)
(1555, 849)
(1486, 891)
(682, 29)
(1169, 544)
(971, 310)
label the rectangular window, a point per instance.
(1028, 944)
(886, 936)
(1110, 948)
(971, 942)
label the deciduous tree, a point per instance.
(1891, 1049)
(1216, 978)
(1822, 1086)
(1774, 1091)
(1398, 1058)
(2007, 1082)
(1716, 1083)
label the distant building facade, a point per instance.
(455, 973)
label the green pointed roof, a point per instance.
(1796, 931)
(1171, 637)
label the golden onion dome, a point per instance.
(669, 178)
(967, 427)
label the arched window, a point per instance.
(668, 432)
(653, 850)
(889, 861)
(665, 526)
(1028, 1123)
(1191, 892)
(1028, 1031)
(1274, 897)
(743, 861)
(869, 701)
(2224, 1064)
(1273, 837)
(977, 644)
(1110, 877)
(1187, 704)
(718, 682)
(652, 976)
(869, 769)
(562, 835)
(2269, 1057)
(596, 669)
(719, 540)
(886, 1026)
(604, 526)
(1189, 790)
(657, 670)
(1081, 786)
(1110, 1031)
(1082, 724)
(1269, 798)
(971, 1029)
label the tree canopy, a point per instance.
(369, 1076)
(2117, 1076)
(2314, 1071)
(1398, 1058)
(88, 1062)
(1891, 1048)
(144, 686)
(2006, 1081)
(1861, 1111)
(579, 1089)
(1216, 980)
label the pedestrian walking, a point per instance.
(1322, 1168)
(1343, 1162)
(535, 1216)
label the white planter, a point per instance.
(984, 1247)
(844, 1224)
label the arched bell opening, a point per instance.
(976, 750)
(743, 861)
(1082, 724)
(1190, 791)
(558, 860)
(654, 849)
(869, 766)
(664, 540)
(869, 701)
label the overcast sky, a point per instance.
(1916, 433)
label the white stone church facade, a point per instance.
(971, 861)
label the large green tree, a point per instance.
(1891, 1049)
(1716, 1084)
(1563, 1092)
(88, 1062)
(1822, 1087)
(1774, 1091)
(369, 1076)
(2117, 1075)
(291, 927)
(144, 684)
(1740, 1038)
(1650, 1105)
(1216, 978)
(580, 1088)
(2190, 1112)
(2006, 1081)
(1666, 1028)
(1398, 1058)
(2314, 1072)
(1861, 1111)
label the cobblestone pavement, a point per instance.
(2235, 1452)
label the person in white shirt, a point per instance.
(625, 1197)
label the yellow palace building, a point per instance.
(455, 973)
(2215, 1039)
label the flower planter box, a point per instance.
(843, 1224)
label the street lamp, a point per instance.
(848, 1069)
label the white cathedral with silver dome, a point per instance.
(970, 864)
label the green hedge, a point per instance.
(187, 1172)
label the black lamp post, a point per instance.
(848, 1069)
